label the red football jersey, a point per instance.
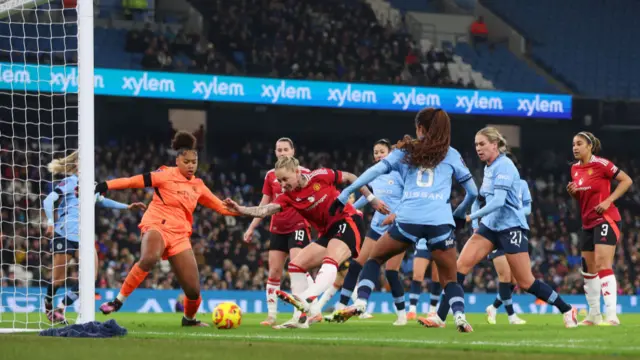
(288, 220)
(314, 200)
(593, 181)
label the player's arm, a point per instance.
(502, 182)
(526, 199)
(361, 202)
(112, 204)
(48, 204)
(624, 183)
(208, 199)
(266, 199)
(377, 204)
(475, 223)
(255, 211)
(465, 179)
(149, 179)
(382, 167)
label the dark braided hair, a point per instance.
(429, 151)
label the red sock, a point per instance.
(135, 277)
(191, 307)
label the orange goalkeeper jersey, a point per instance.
(174, 200)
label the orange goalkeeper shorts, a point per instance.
(174, 243)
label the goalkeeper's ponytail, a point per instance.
(67, 165)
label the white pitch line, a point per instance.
(568, 343)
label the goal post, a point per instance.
(86, 169)
(41, 42)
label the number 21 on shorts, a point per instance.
(516, 238)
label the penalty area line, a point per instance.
(568, 343)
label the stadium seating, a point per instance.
(591, 47)
(502, 67)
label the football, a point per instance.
(227, 315)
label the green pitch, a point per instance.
(159, 336)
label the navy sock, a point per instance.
(368, 278)
(544, 292)
(443, 310)
(397, 290)
(505, 294)
(71, 296)
(455, 297)
(512, 288)
(435, 289)
(350, 282)
(498, 301)
(414, 293)
(51, 291)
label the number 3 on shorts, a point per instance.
(605, 230)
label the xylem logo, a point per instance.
(147, 83)
(285, 92)
(341, 96)
(217, 87)
(415, 98)
(538, 105)
(478, 102)
(15, 76)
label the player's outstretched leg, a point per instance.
(520, 265)
(152, 248)
(385, 248)
(185, 267)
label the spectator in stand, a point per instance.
(479, 32)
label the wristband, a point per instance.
(370, 198)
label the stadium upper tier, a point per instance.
(592, 47)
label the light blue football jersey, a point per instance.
(388, 188)
(503, 174)
(427, 192)
(67, 223)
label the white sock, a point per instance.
(354, 294)
(413, 309)
(402, 314)
(272, 300)
(121, 297)
(433, 308)
(325, 278)
(609, 291)
(298, 278)
(326, 296)
(592, 292)
(309, 279)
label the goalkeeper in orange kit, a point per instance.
(166, 225)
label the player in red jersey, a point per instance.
(339, 235)
(289, 231)
(591, 186)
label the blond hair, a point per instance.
(67, 165)
(495, 137)
(287, 162)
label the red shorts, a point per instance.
(174, 243)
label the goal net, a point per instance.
(41, 119)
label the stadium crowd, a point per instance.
(226, 262)
(311, 39)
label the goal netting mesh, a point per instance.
(38, 122)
